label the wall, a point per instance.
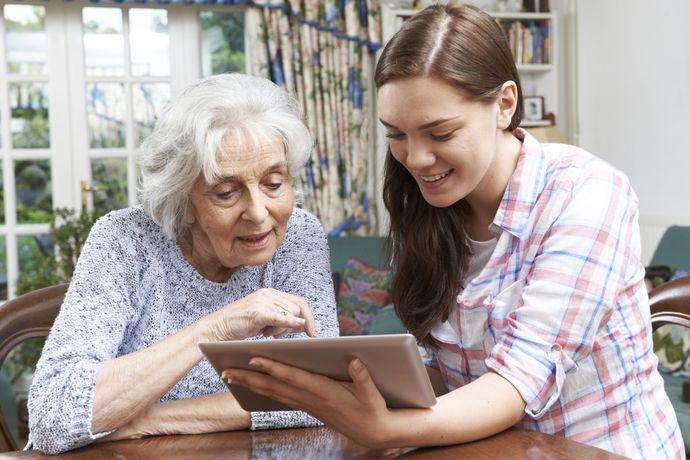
(633, 100)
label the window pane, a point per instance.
(147, 101)
(3, 268)
(104, 43)
(110, 176)
(29, 116)
(34, 195)
(105, 107)
(27, 42)
(37, 267)
(148, 41)
(222, 42)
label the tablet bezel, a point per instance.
(393, 360)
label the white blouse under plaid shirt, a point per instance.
(561, 311)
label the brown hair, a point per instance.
(466, 48)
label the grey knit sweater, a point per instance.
(132, 287)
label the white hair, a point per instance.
(189, 131)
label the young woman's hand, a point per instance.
(355, 409)
(267, 311)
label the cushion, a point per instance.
(364, 290)
(672, 347)
(386, 322)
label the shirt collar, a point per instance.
(525, 185)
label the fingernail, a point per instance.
(229, 380)
(255, 362)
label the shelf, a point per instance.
(535, 123)
(534, 68)
(520, 16)
(405, 12)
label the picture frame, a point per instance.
(533, 108)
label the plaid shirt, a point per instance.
(561, 311)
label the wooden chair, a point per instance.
(26, 317)
(670, 303)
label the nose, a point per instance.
(255, 209)
(419, 156)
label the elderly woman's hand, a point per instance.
(267, 311)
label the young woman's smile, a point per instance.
(451, 144)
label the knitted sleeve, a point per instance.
(88, 331)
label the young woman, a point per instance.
(517, 265)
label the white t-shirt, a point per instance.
(481, 253)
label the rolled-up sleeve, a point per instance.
(582, 266)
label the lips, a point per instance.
(254, 238)
(435, 177)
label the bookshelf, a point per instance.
(533, 41)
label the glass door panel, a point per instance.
(104, 42)
(29, 115)
(26, 40)
(109, 176)
(222, 42)
(34, 199)
(149, 42)
(106, 109)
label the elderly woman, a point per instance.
(217, 251)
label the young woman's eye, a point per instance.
(442, 137)
(395, 135)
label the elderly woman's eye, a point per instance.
(225, 195)
(274, 185)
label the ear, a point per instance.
(507, 104)
(188, 212)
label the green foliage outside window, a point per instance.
(228, 56)
(33, 187)
(35, 132)
(110, 176)
(68, 230)
(29, 23)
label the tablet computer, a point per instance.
(393, 360)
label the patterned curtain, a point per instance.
(322, 51)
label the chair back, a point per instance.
(27, 316)
(670, 303)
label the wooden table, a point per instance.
(322, 444)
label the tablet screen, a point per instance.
(393, 360)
